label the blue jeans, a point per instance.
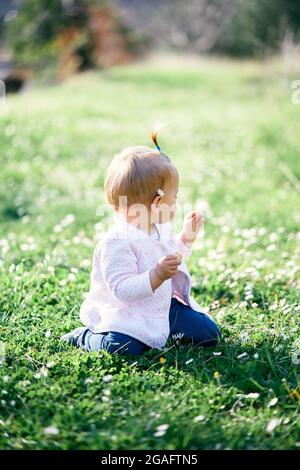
(186, 325)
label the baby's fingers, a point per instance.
(173, 266)
(175, 262)
(173, 271)
(170, 258)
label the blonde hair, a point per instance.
(138, 172)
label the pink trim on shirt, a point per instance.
(179, 297)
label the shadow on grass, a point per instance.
(260, 367)
(249, 369)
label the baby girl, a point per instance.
(139, 295)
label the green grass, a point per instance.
(234, 135)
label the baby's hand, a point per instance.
(167, 267)
(192, 224)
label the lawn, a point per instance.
(234, 135)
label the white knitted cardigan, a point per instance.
(121, 298)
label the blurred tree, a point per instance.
(193, 25)
(259, 26)
(76, 34)
(83, 33)
(32, 34)
(236, 27)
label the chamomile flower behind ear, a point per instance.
(160, 192)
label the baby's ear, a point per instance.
(155, 200)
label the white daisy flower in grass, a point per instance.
(51, 431)
(43, 372)
(85, 263)
(176, 338)
(107, 378)
(189, 361)
(244, 337)
(57, 228)
(154, 415)
(4, 246)
(88, 381)
(68, 220)
(198, 418)
(273, 237)
(252, 395)
(11, 268)
(162, 427)
(161, 430)
(271, 247)
(242, 356)
(272, 425)
(296, 358)
(25, 219)
(273, 402)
